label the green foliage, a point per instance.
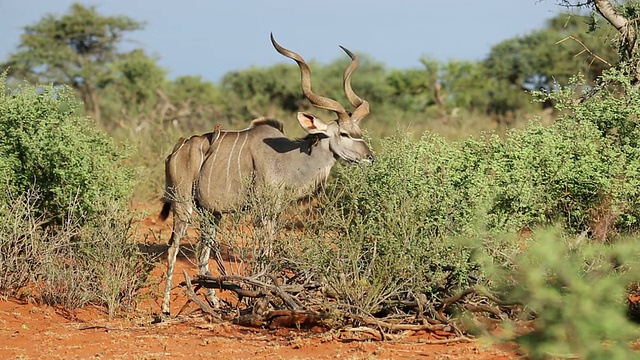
(399, 221)
(391, 227)
(137, 79)
(612, 111)
(445, 85)
(46, 146)
(539, 60)
(536, 176)
(543, 174)
(258, 89)
(74, 49)
(575, 292)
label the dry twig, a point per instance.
(585, 49)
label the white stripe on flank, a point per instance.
(244, 142)
(235, 142)
(213, 162)
(201, 158)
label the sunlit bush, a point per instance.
(47, 146)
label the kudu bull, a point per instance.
(211, 170)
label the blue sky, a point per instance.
(211, 38)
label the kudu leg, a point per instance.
(179, 229)
(207, 243)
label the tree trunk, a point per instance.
(90, 100)
(628, 34)
(95, 106)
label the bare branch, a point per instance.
(223, 282)
(193, 297)
(398, 327)
(585, 49)
(283, 295)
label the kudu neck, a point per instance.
(317, 147)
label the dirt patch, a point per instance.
(30, 331)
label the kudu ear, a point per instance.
(311, 124)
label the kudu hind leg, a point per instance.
(207, 243)
(179, 230)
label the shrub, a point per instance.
(388, 232)
(21, 234)
(541, 175)
(575, 293)
(612, 108)
(73, 263)
(411, 224)
(47, 146)
(64, 231)
(101, 263)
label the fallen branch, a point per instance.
(284, 296)
(282, 319)
(203, 305)
(378, 335)
(399, 327)
(450, 300)
(211, 281)
(224, 283)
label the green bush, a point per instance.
(575, 293)
(64, 230)
(612, 108)
(48, 147)
(387, 232)
(413, 223)
(541, 175)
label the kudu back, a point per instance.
(218, 170)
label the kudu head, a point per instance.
(344, 134)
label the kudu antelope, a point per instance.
(210, 170)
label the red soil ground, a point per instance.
(31, 331)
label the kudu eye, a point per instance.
(345, 135)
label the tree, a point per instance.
(445, 85)
(135, 86)
(624, 19)
(544, 58)
(259, 91)
(196, 103)
(74, 49)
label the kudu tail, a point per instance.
(164, 213)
